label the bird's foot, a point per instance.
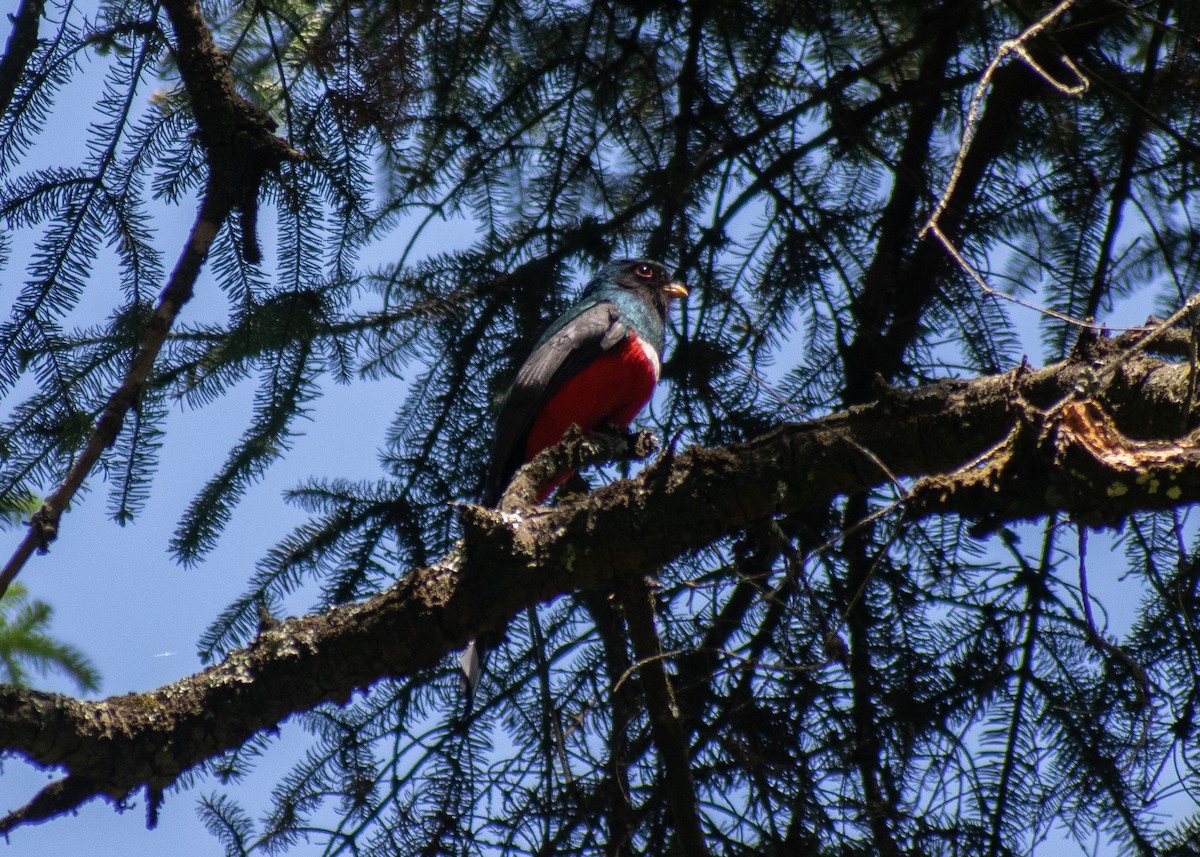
(626, 443)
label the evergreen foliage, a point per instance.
(25, 645)
(849, 681)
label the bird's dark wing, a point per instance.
(561, 355)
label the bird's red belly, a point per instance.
(610, 391)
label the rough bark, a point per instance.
(1020, 444)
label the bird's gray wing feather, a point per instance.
(562, 355)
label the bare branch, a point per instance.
(1017, 46)
(1012, 46)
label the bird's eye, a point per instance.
(644, 271)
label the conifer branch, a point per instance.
(601, 542)
(43, 526)
(791, 187)
(241, 149)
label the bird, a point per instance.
(596, 367)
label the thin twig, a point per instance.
(967, 268)
(1015, 46)
(637, 665)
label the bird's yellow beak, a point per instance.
(675, 290)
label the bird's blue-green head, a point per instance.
(642, 289)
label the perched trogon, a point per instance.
(595, 367)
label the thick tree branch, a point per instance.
(1070, 454)
(22, 43)
(574, 452)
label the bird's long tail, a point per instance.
(474, 656)
(470, 663)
